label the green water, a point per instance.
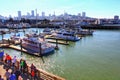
(94, 57)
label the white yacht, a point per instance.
(37, 46)
(47, 31)
(66, 35)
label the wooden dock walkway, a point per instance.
(59, 42)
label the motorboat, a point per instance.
(37, 46)
(80, 31)
(66, 35)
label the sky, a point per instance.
(93, 8)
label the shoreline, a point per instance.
(84, 27)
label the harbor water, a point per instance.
(95, 57)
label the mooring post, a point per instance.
(8, 41)
(40, 51)
(21, 45)
(66, 39)
(56, 47)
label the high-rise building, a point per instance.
(19, 14)
(28, 15)
(32, 13)
(43, 14)
(83, 14)
(79, 14)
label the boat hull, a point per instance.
(37, 52)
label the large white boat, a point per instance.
(66, 35)
(80, 31)
(37, 46)
(47, 31)
(15, 39)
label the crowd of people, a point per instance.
(15, 73)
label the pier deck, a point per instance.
(59, 42)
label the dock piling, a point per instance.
(21, 45)
(56, 47)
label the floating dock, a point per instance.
(18, 49)
(59, 42)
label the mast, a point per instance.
(36, 21)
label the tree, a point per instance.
(45, 21)
(11, 20)
(28, 21)
(23, 20)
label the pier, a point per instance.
(39, 74)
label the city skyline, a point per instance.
(93, 8)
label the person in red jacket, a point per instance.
(8, 57)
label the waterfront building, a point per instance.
(116, 17)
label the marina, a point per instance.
(60, 40)
(87, 59)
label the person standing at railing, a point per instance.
(12, 76)
(24, 66)
(33, 75)
(1, 78)
(1, 55)
(7, 74)
(32, 67)
(33, 71)
(17, 73)
(6, 55)
(14, 61)
(9, 59)
(21, 65)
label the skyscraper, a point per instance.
(83, 14)
(19, 15)
(32, 13)
(43, 14)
